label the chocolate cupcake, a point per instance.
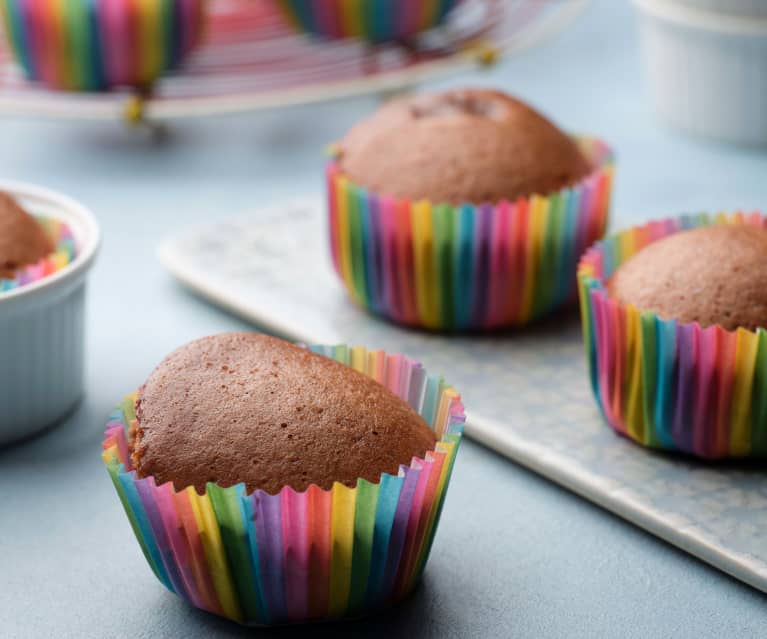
(271, 484)
(23, 240)
(464, 210)
(674, 316)
(716, 275)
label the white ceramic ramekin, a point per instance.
(42, 327)
(706, 70)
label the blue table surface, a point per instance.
(515, 555)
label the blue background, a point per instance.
(515, 555)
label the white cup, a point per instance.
(706, 70)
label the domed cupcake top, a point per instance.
(711, 275)
(460, 146)
(245, 407)
(22, 240)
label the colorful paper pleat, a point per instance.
(376, 20)
(467, 267)
(92, 45)
(262, 559)
(667, 384)
(64, 253)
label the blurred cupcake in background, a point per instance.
(374, 20)
(675, 328)
(464, 210)
(94, 45)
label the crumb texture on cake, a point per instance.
(22, 240)
(470, 145)
(711, 275)
(246, 407)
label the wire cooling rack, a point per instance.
(252, 59)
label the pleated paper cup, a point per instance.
(262, 559)
(668, 384)
(374, 20)
(468, 267)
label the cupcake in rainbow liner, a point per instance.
(674, 316)
(31, 248)
(465, 210)
(271, 484)
(94, 45)
(374, 20)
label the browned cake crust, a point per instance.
(460, 146)
(245, 407)
(22, 240)
(712, 275)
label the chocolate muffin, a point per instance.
(245, 407)
(460, 146)
(22, 240)
(711, 275)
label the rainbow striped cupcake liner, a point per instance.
(468, 267)
(374, 20)
(93, 45)
(667, 384)
(263, 559)
(65, 253)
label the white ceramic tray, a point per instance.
(526, 392)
